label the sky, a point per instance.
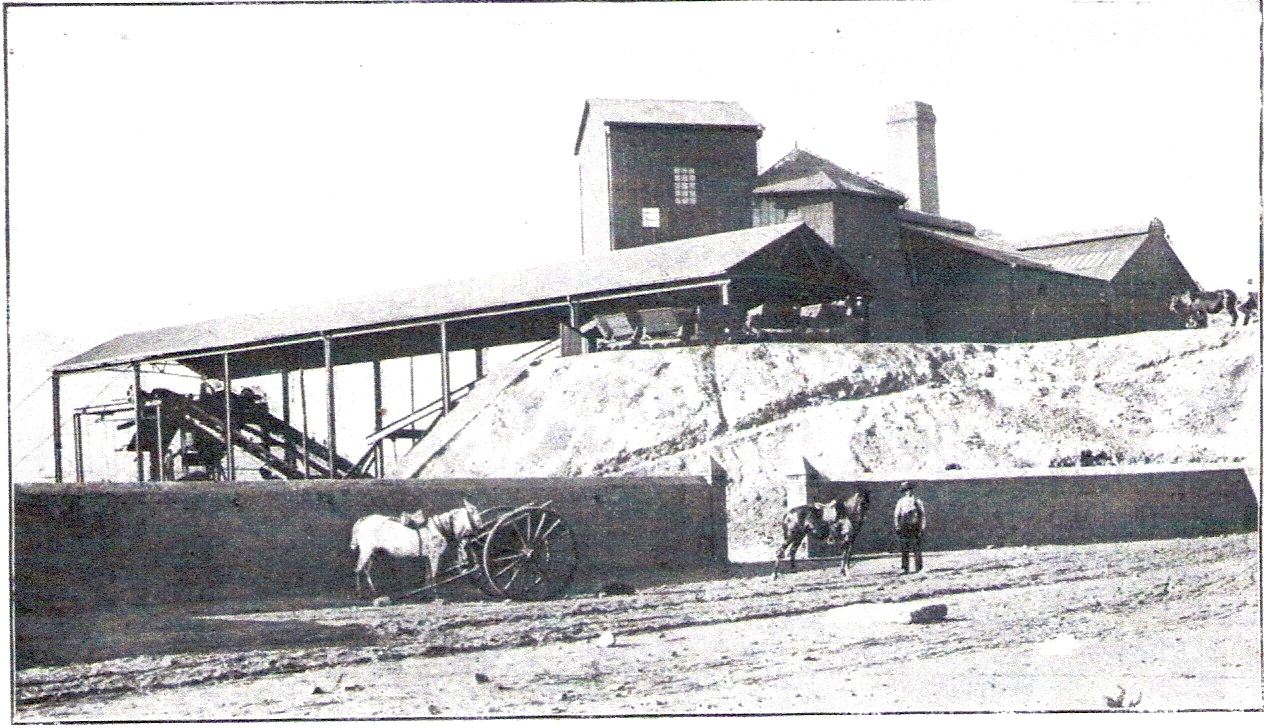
(178, 163)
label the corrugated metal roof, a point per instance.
(665, 263)
(1099, 254)
(1101, 258)
(663, 111)
(803, 171)
(1081, 236)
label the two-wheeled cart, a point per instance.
(525, 553)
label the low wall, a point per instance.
(174, 542)
(1057, 506)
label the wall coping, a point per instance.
(289, 486)
(939, 476)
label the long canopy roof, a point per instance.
(387, 325)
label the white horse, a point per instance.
(393, 536)
(411, 535)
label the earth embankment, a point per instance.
(902, 409)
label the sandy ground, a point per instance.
(1172, 625)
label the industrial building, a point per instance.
(684, 242)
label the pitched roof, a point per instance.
(702, 258)
(657, 111)
(1080, 236)
(803, 171)
(1098, 254)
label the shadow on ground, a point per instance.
(98, 636)
(86, 636)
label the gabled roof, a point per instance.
(598, 112)
(803, 171)
(1080, 236)
(623, 272)
(1098, 254)
(1092, 257)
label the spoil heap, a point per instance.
(1156, 397)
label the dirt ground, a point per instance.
(1170, 625)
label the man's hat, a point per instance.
(906, 485)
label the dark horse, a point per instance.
(831, 522)
(816, 519)
(1197, 306)
(847, 527)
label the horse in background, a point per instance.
(1198, 306)
(816, 519)
(831, 522)
(847, 526)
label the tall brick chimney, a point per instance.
(911, 154)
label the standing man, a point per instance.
(910, 519)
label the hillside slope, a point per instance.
(1157, 397)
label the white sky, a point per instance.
(173, 164)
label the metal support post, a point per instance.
(478, 363)
(285, 411)
(379, 469)
(230, 461)
(78, 420)
(138, 402)
(332, 421)
(285, 397)
(160, 452)
(302, 403)
(56, 428)
(445, 376)
(412, 387)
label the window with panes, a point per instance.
(685, 185)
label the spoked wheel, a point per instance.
(488, 516)
(530, 554)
